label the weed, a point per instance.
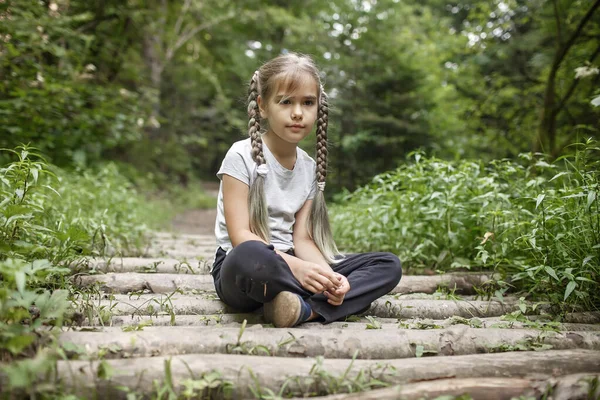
(444, 293)
(526, 344)
(246, 347)
(137, 327)
(320, 382)
(373, 323)
(420, 324)
(534, 220)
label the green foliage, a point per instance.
(160, 85)
(538, 224)
(50, 219)
(50, 214)
(53, 93)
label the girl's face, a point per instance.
(292, 115)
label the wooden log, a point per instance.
(588, 317)
(329, 343)
(386, 306)
(460, 282)
(144, 265)
(187, 320)
(165, 283)
(303, 376)
(359, 323)
(569, 387)
(154, 283)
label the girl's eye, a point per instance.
(306, 103)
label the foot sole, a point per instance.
(284, 310)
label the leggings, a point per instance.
(253, 274)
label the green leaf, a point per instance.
(539, 199)
(590, 199)
(20, 281)
(105, 370)
(419, 351)
(34, 173)
(558, 175)
(551, 272)
(18, 343)
(570, 287)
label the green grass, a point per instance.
(536, 221)
(50, 219)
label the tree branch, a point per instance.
(179, 22)
(574, 85)
(558, 25)
(567, 46)
(193, 31)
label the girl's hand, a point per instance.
(316, 278)
(336, 297)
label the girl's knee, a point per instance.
(251, 258)
(250, 248)
(393, 267)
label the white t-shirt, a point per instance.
(286, 191)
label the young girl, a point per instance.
(275, 244)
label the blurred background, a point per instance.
(464, 137)
(159, 86)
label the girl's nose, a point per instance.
(296, 112)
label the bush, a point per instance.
(538, 224)
(49, 219)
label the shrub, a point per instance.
(538, 224)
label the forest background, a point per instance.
(463, 134)
(159, 86)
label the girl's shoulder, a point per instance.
(241, 146)
(304, 158)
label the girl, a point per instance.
(275, 243)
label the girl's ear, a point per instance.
(263, 112)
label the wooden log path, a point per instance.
(153, 325)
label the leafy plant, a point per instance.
(536, 222)
(373, 323)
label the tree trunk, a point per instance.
(386, 307)
(167, 283)
(546, 136)
(377, 344)
(155, 66)
(569, 387)
(303, 375)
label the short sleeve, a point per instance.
(313, 189)
(234, 165)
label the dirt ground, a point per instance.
(198, 222)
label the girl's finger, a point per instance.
(312, 289)
(317, 285)
(334, 298)
(323, 281)
(331, 277)
(334, 303)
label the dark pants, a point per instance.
(253, 274)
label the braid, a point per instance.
(319, 227)
(257, 205)
(322, 119)
(254, 121)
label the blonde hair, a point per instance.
(289, 71)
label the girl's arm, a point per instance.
(313, 276)
(304, 247)
(237, 216)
